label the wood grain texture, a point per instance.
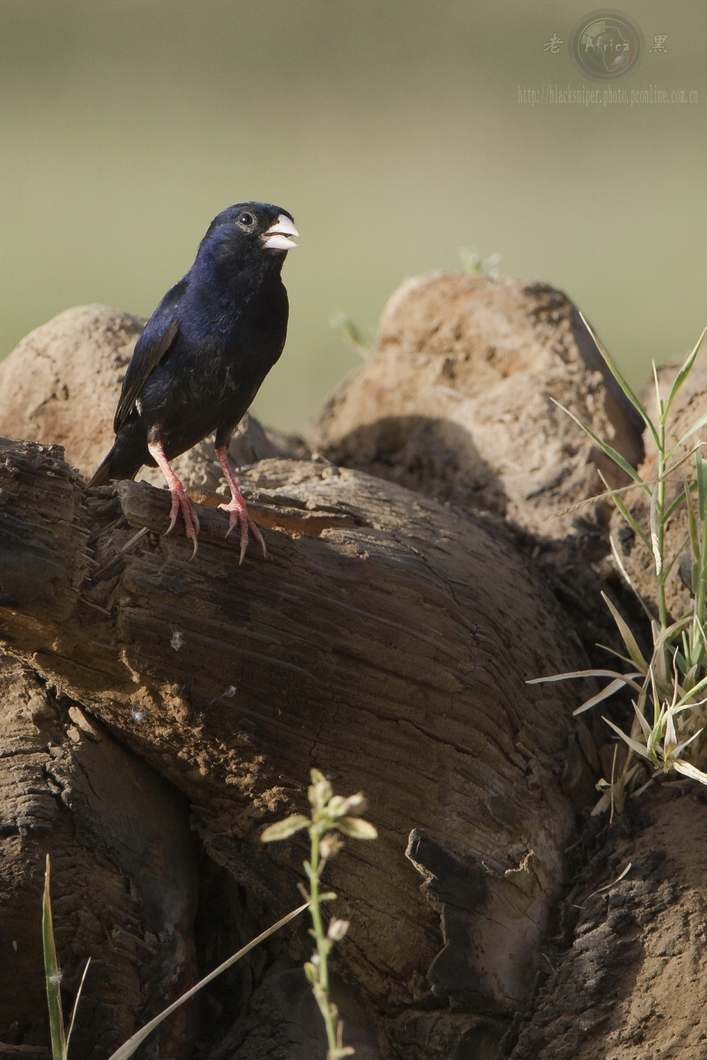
(389, 648)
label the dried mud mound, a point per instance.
(60, 384)
(457, 400)
(627, 978)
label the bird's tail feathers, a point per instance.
(103, 475)
(107, 472)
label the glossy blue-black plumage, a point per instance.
(206, 348)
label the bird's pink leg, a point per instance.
(180, 501)
(237, 507)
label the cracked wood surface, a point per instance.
(386, 639)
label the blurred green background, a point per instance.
(391, 129)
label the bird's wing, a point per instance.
(159, 334)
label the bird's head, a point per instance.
(252, 230)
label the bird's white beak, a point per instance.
(278, 236)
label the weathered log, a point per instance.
(387, 640)
(123, 867)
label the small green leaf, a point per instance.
(319, 791)
(284, 829)
(357, 828)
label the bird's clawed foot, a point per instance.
(238, 516)
(180, 502)
(237, 508)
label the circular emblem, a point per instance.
(606, 45)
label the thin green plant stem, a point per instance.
(330, 817)
(76, 1005)
(323, 945)
(52, 973)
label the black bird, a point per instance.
(203, 354)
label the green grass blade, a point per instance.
(627, 636)
(690, 694)
(642, 721)
(696, 426)
(701, 469)
(609, 450)
(684, 372)
(659, 406)
(129, 1047)
(631, 520)
(628, 391)
(686, 743)
(619, 563)
(351, 334)
(626, 678)
(635, 746)
(607, 691)
(677, 555)
(612, 651)
(655, 541)
(672, 508)
(690, 771)
(76, 1005)
(663, 636)
(52, 974)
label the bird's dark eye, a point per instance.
(246, 219)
